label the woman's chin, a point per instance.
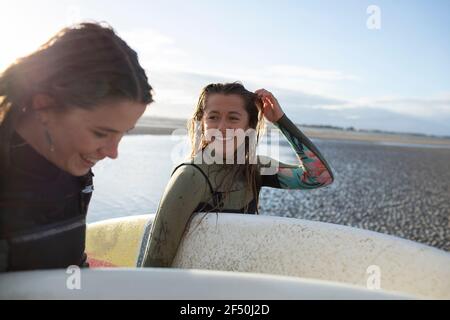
(78, 170)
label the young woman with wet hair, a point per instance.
(203, 186)
(63, 108)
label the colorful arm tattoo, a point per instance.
(312, 172)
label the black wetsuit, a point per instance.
(42, 212)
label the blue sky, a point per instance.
(319, 58)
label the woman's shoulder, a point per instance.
(188, 170)
(187, 178)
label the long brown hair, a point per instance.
(256, 122)
(81, 66)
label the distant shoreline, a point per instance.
(166, 126)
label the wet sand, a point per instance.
(401, 191)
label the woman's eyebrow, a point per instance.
(217, 112)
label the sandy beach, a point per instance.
(401, 191)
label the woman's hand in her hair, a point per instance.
(270, 107)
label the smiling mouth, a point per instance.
(89, 161)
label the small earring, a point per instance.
(49, 140)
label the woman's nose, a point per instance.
(223, 127)
(111, 150)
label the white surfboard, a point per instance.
(245, 253)
(174, 284)
(286, 246)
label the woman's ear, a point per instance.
(42, 101)
(42, 104)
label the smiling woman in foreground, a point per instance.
(62, 109)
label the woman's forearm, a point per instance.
(313, 170)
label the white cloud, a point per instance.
(175, 78)
(156, 50)
(301, 90)
(432, 107)
(292, 71)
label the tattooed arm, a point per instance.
(312, 171)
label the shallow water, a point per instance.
(134, 183)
